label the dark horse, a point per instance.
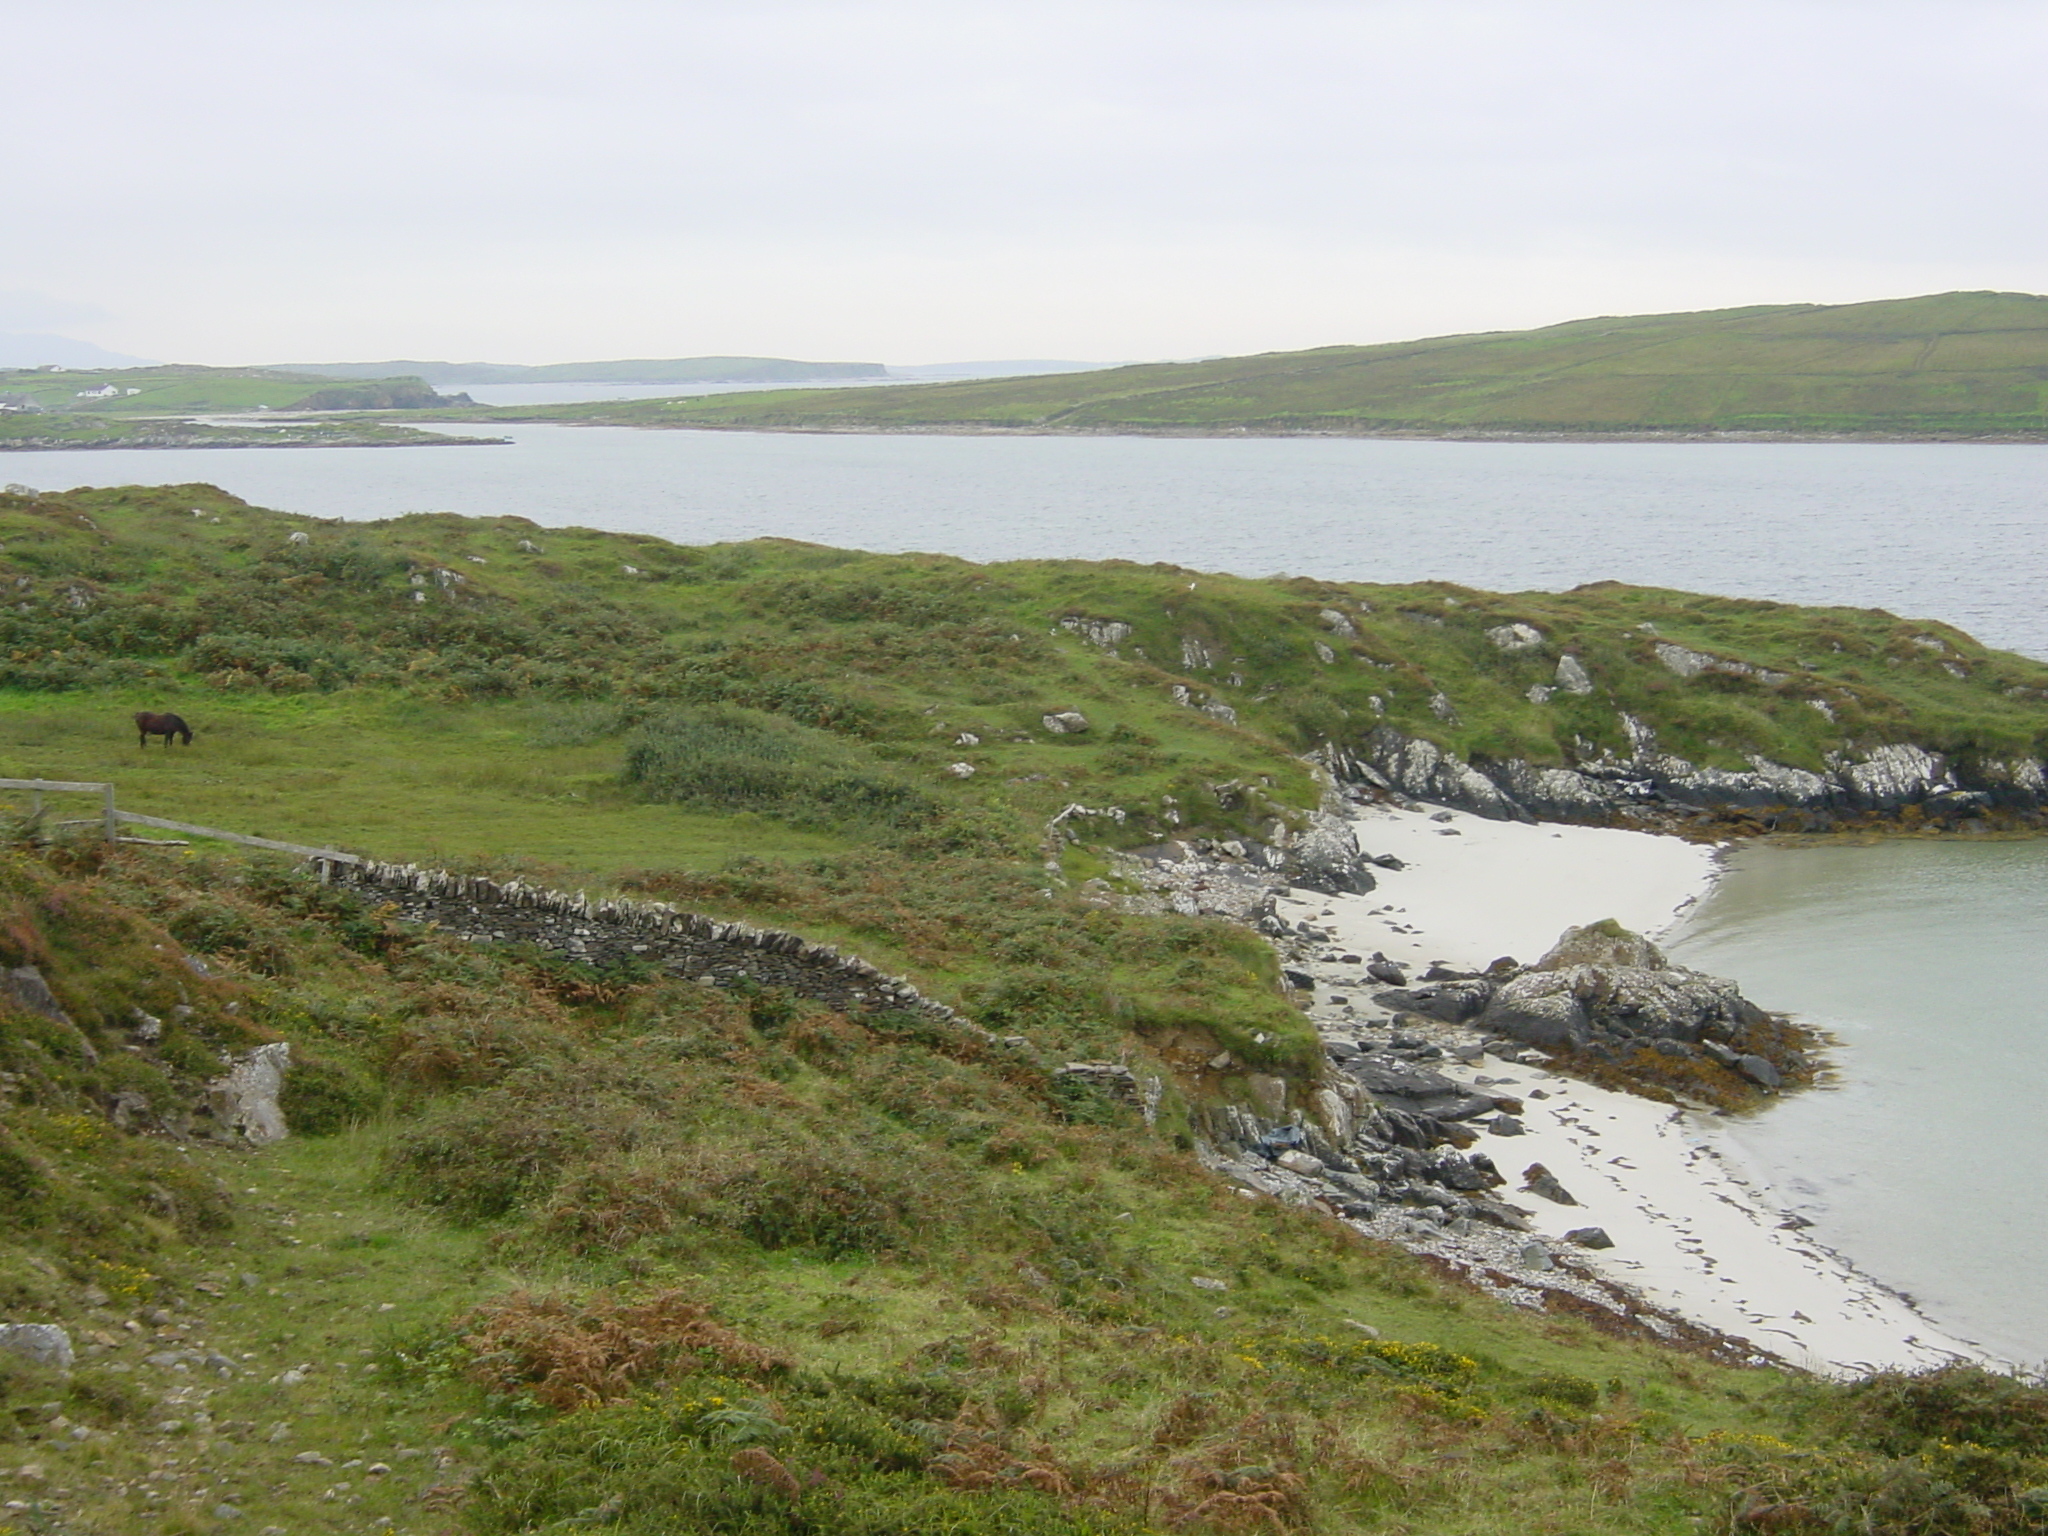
(165, 726)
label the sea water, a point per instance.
(1943, 531)
(1923, 1159)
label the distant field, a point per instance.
(1954, 364)
(176, 390)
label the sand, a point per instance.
(1695, 1233)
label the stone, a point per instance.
(1515, 637)
(1387, 971)
(1573, 677)
(1365, 1328)
(24, 986)
(1537, 1257)
(1496, 1213)
(1589, 1237)
(1324, 857)
(1760, 1071)
(1268, 1093)
(1506, 1125)
(1602, 943)
(1206, 1283)
(960, 770)
(244, 1102)
(1300, 1162)
(1334, 1113)
(1066, 722)
(1539, 1180)
(1107, 634)
(43, 1344)
(1536, 1010)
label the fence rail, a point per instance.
(111, 820)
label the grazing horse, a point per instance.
(165, 726)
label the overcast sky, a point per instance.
(913, 182)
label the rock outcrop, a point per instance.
(1878, 781)
(1598, 986)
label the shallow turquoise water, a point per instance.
(1925, 1163)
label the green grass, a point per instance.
(400, 778)
(1953, 364)
(30, 433)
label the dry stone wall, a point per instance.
(620, 931)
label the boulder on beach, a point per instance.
(1603, 943)
(1603, 981)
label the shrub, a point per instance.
(322, 1096)
(727, 759)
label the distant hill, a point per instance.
(674, 370)
(1947, 364)
(38, 350)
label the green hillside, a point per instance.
(185, 389)
(1965, 364)
(564, 1247)
(665, 370)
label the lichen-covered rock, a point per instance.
(1324, 856)
(1602, 943)
(244, 1102)
(1515, 637)
(1602, 980)
(1065, 722)
(42, 1344)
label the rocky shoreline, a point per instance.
(1470, 1113)
(1888, 785)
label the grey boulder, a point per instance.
(38, 1343)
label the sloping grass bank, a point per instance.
(556, 1250)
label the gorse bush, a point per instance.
(732, 759)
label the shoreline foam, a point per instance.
(1696, 1233)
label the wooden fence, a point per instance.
(111, 819)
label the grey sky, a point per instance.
(915, 181)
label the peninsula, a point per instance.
(1941, 367)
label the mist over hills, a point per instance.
(35, 349)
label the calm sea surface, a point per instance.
(1925, 1164)
(1946, 531)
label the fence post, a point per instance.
(113, 824)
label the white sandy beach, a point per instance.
(1692, 1233)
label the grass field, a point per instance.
(1964, 364)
